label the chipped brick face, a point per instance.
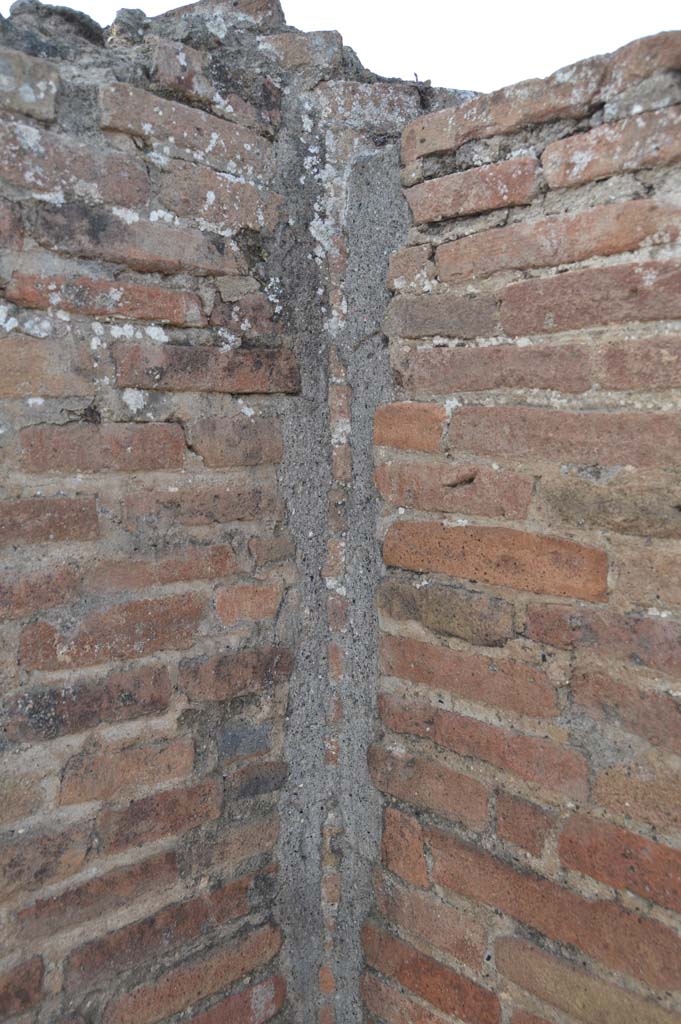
(194, 824)
(527, 747)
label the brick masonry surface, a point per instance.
(340, 632)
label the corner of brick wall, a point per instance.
(529, 742)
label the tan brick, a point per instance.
(248, 602)
(46, 520)
(91, 448)
(451, 316)
(42, 367)
(29, 84)
(647, 792)
(113, 772)
(171, 812)
(415, 426)
(492, 187)
(229, 675)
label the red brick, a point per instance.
(434, 922)
(647, 713)
(570, 238)
(523, 823)
(98, 897)
(597, 295)
(499, 683)
(44, 162)
(452, 316)
(192, 191)
(653, 364)
(90, 448)
(47, 520)
(415, 426)
(187, 983)
(21, 987)
(411, 266)
(104, 298)
(430, 785)
(440, 371)
(249, 602)
(612, 935)
(224, 502)
(36, 366)
(402, 847)
(440, 986)
(254, 1005)
(646, 140)
(171, 812)
(184, 368)
(651, 642)
(622, 859)
(29, 84)
(499, 556)
(26, 595)
(392, 1006)
(113, 772)
(454, 487)
(31, 859)
(582, 438)
(570, 989)
(147, 246)
(185, 131)
(130, 630)
(237, 440)
(648, 792)
(491, 187)
(197, 562)
(75, 706)
(537, 760)
(234, 673)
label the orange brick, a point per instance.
(247, 603)
(510, 183)
(402, 847)
(415, 426)
(454, 487)
(523, 823)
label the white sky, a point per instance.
(472, 45)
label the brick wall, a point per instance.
(530, 649)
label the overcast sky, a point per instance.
(471, 45)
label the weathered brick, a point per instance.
(646, 140)
(256, 779)
(11, 227)
(641, 59)
(113, 772)
(392, 1006)
(322, 51)
(646, 575)
(28, 85)
(415, 426)
(237, 440)
(47, 165)
(270, 550)
(242, 843)
(31, 859)
(410, 266)
(95, 448)
(21, 987)
(441, 371)
(191, 191)
(35, 592)
(171, 812)
(21, 792)
(229, 675)
(645, 439)
(247, 602)
(130, 630)
(75, 706)
(37, 366)
(451, 486)
(47, 520)
(650, 365)
(630, 502)
(572, 990)
(429, 785)
(103, 298)
(183, 131)
(185, 984)
(254, 1005)
(496, 555)
(536, 760)
(402, 847)
(449, 611)
(431, 920)
(440, 986)
(239, 741)
(647, 792)
(651, 642)
(451, 316)
(597, 295)
(522, 823)
(148, 246)
(97, 897)
(491, 187)
(612, 935)
(499, 683)
(622, 859)
(226, 501)
(647, 713)
(197, 562)
(184, 368)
